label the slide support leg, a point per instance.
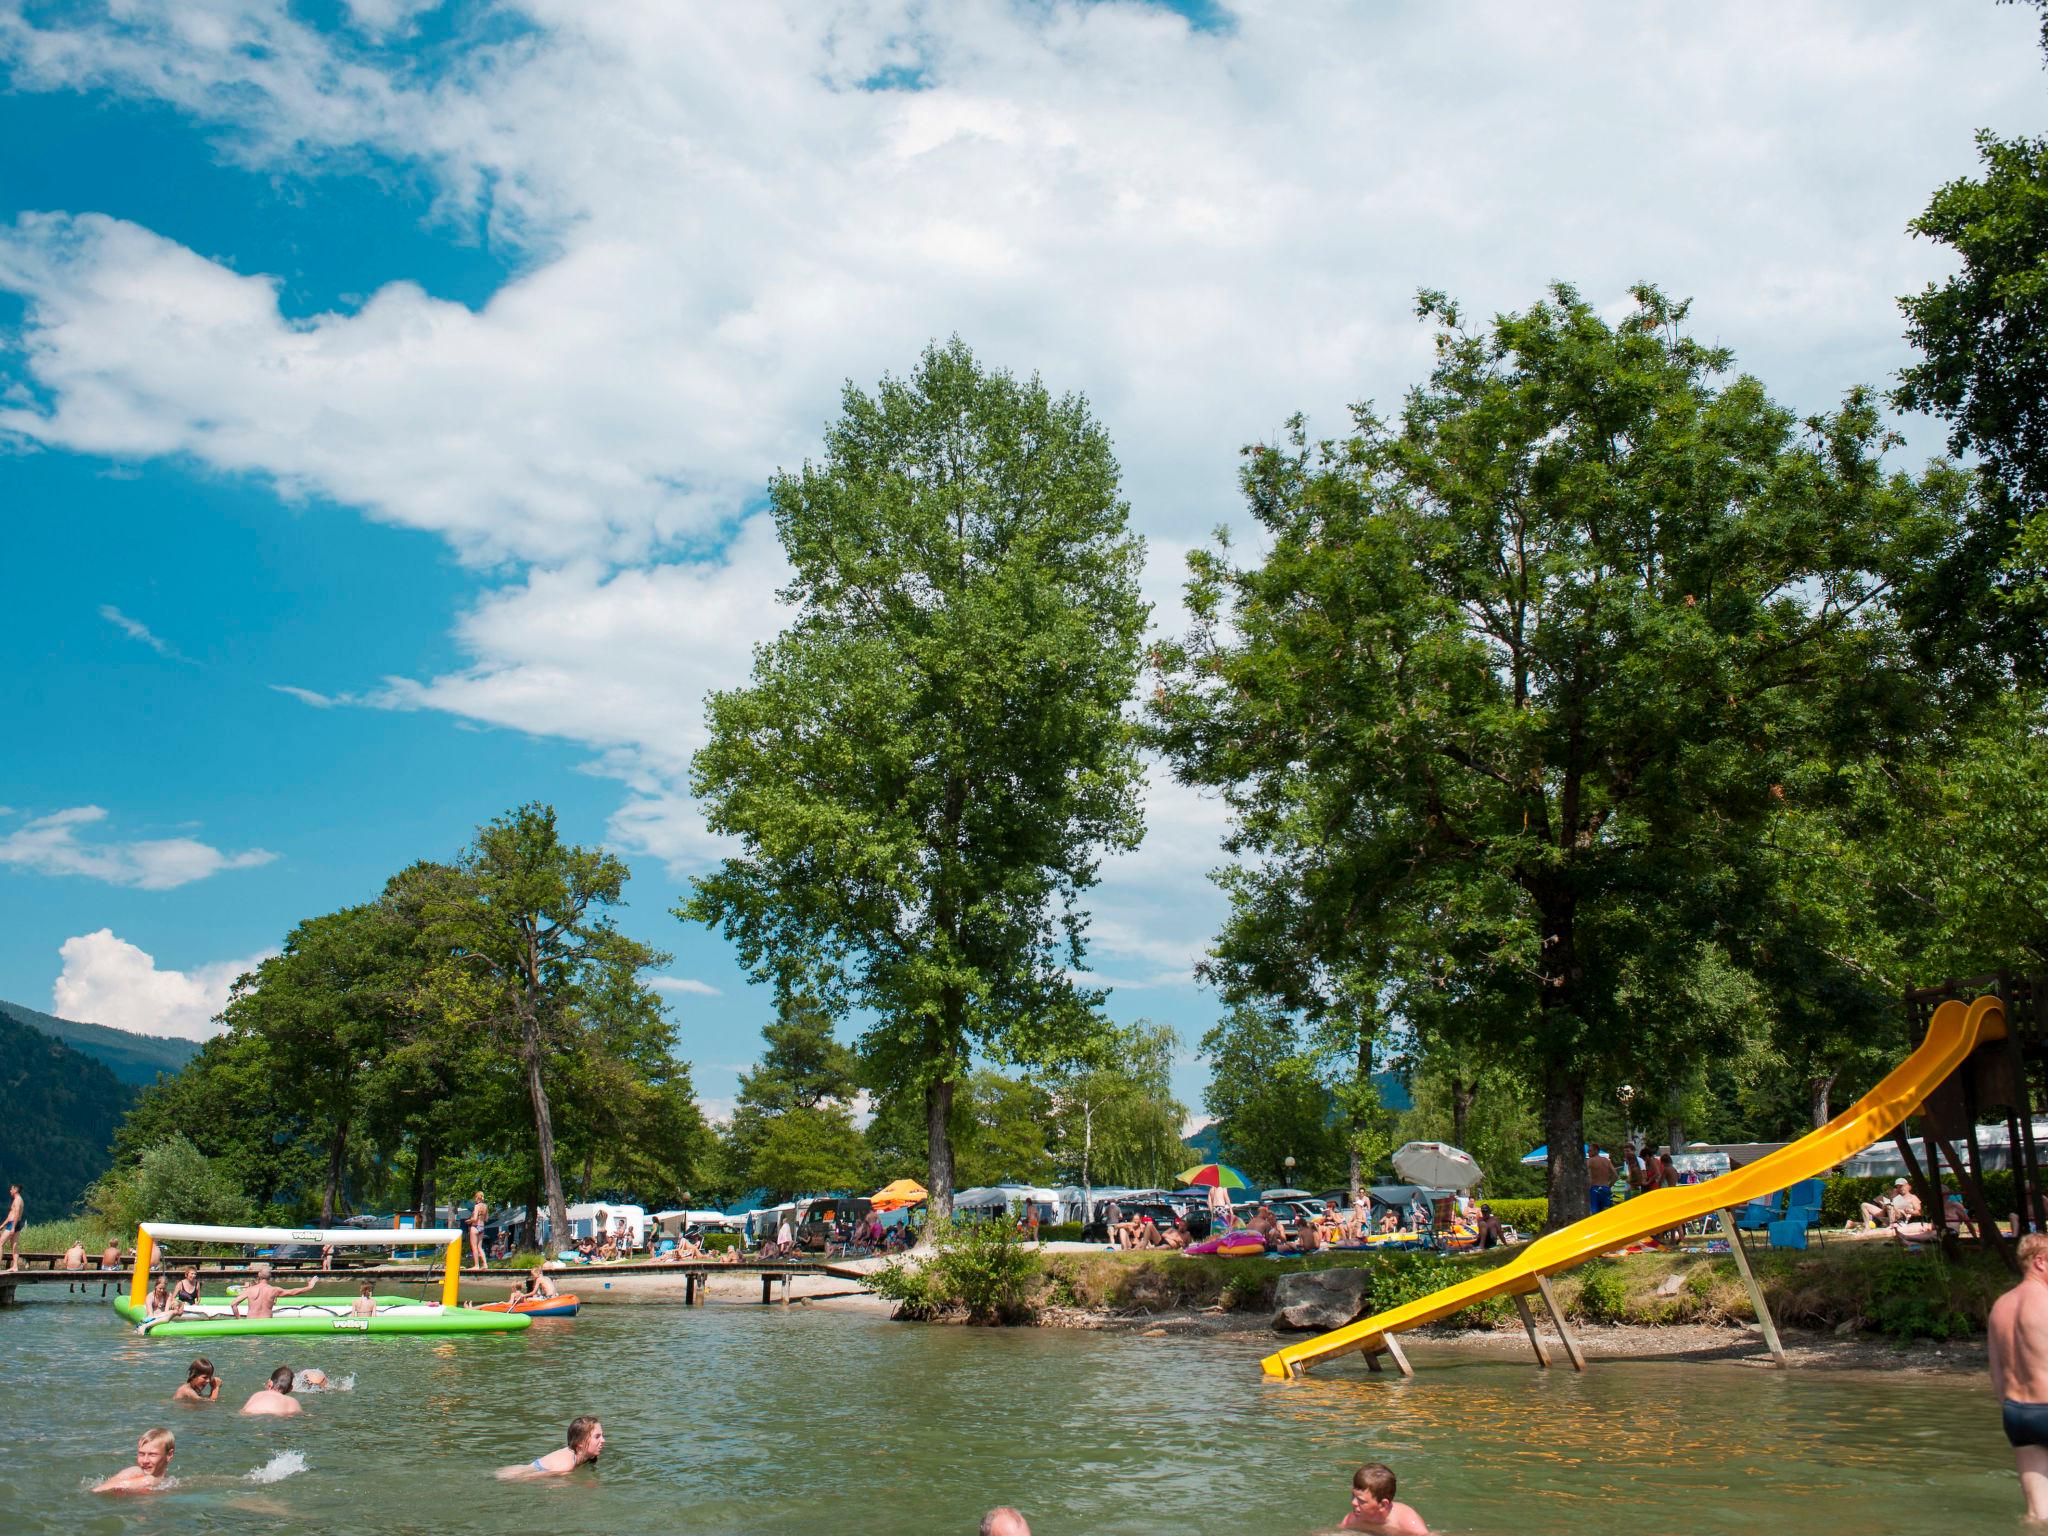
(1529, 1327)
(1756, 1292)
(1401, 1360)
(1372, 1361)
(1571, 1345)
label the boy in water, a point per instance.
(275, 1400)
(586, 1442)
(152, 1465)
(1374, 1508)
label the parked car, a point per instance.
(1161, 1212)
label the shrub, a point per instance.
(1060, 1232)
(1603, 1293)
(1842, 1199)
(984, 1268)
(1911, 1298)
(171, 1181)
(720, 1242)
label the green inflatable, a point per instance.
(211, 1319)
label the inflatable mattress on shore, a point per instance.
(330, 1316)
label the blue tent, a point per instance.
(1541, 1156)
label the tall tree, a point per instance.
(1115, 1119)
(1519, 677)
(792, 1127)
(533, 955)
(932, 757)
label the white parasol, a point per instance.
(1436, 1165)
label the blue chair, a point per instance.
(1759, 1214)
(1802, 1210)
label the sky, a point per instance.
(388, 388)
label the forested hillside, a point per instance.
(130, 1057)
(60, 1110)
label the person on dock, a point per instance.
(2019, 1369)
(479, 1213)
(152, 1467)
(585, 1443)
(201, 1385)
(110, 1256)
(262, 1297)
(1374, 1507)
(1004, 1521)
(1599, 1180)
(275, 1400)
(10, 1229)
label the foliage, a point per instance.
(1114, 1117)
(809, 1151)
(1983, 339)
(931, 758)
(982, 1268)
(792, 1129)
(1505, 702)
(1500, 1115)
(1002, 1137)
(1525, 1216)
(1270, 1101)
(172, 1180)
(1603, 1293)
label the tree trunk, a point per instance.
(1823, 1089)
(419, 1174)
(430, 1187)
(1564, 1134)
(938, 1131)
(533, 1215)
(1462, 1095)
(543, 1129)
(337, 1154)
(1360, 1084)
(589, 1169)
(1674, 1123)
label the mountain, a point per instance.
(58, 1110)
(131, 1058)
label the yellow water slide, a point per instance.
(1955, 1030)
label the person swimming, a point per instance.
(585, 1444)
(201, 1385)
(274, 1400)
(152, 1468)
(1374, 1507)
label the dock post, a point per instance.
(1756, 1292)
(767, 1289)
(1571, 1345)
(785, 1290)
(6, 1294)
(1394, 1348)
(1529, 1326)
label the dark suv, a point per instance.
(1162, 1214)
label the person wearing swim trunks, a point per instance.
(152, 1467)
(262, 1297)
(1374, 1507)
(201, 1385)
(10, 1230)
(275, 1400)
(1004, 1521)
(2019, 1369)
(585, 1443)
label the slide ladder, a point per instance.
(1955, 1030)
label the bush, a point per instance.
(1060, 1232)
(1525, 1216)
(171, 1181)
(1603, 1293)
(721, 1242)
(1842, 1200)
(984, 1268)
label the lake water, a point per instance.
(730, 1419)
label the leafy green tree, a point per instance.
(1271, 1101)
(171, 1180)
(1511, 686)
(813, 1149)
(1115, 1119)
(1003, 1140)
(804, 1069)
(532, 955)
(932, 757)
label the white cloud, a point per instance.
(687, 986)
(1203, 231)
(51, 845)
(107, 980)
(140, 632)
(716, 1108)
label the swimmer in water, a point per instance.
(1374, 1507)
(275, 1400)
(314, 1380)
(152, 1467)
(365, 1304)
(201, 1385)
(586, 1441)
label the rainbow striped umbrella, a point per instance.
(1214, 1176)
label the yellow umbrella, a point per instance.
(895, 1196)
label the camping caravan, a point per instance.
(598, 1217)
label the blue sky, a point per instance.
(387, 387)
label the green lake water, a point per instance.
(729, 1419)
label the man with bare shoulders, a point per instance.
(10, 1229)
(1374, 1507)
(1004, 1521)
(261, 1298)
(276, 1400)
(152, 1467)
(2019, 1369)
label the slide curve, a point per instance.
(1955, 1030)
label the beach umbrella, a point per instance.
(893, 1197)
(1541, 1155)
(1214, 1176)
(1436, 1165)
